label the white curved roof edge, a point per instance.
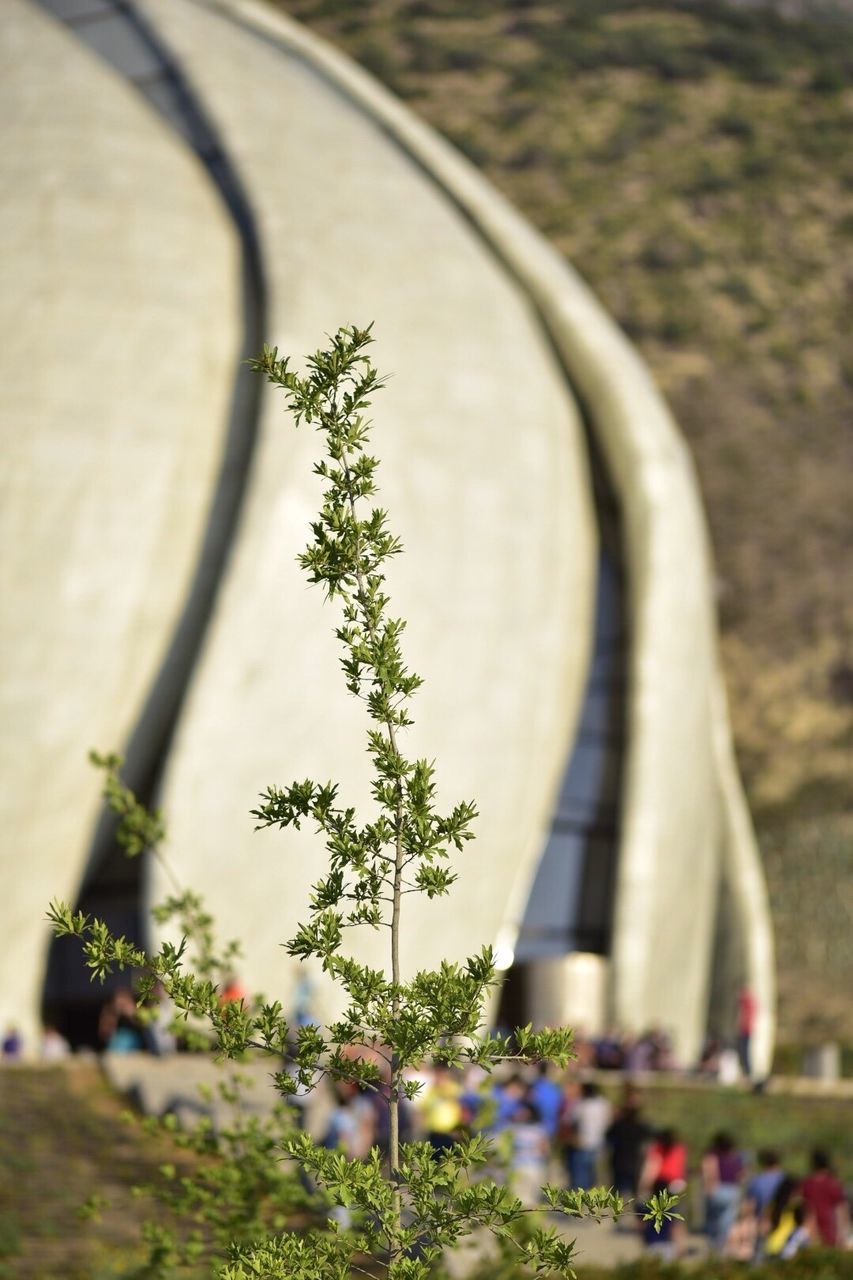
(653, 474)
(746, 881)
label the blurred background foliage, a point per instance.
(693, 161)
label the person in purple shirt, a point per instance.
(722, 1174)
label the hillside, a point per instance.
(693, 161)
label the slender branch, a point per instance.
(324, 1073)
(356, 924)
(168, 869)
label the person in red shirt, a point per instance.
(666, 1161)
(746, 1010)
(825, 1201)
(666, 1165)
(233, 991)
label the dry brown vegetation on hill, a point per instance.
(693, 161)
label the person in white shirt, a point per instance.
(591, 1119)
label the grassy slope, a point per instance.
(64, 1138)
(793, 1125)
(694, 162)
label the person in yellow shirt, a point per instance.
(441, 1108)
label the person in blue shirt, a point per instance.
(762, 1186)
(547, 1097)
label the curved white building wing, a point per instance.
(484, 475)
(114, 391)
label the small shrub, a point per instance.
(752, 60)
(734, 123)
(829, 78)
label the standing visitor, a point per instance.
(233, 992)
(351, 1129)
(825, 1201)
(505, 1099)
(666, 1161)
(665, 1166)
(547, 1096)
(761, 1189)
(528, 1154)
(722, 1173)
(662, 1243)
(783, 1218)
(591, 1119)
(441, 1113)
(13, 1045)
(54, 1046)
(747, 1008)
(566, 1125)
(119, 1029)
(472, 1097)
(626, 1139)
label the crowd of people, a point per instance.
(123, 1027)
(561, 1129)
(549, 1130)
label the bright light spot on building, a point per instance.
(504, 953)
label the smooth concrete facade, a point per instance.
(686, 829)
(366, 214)
(484, 474)
(113, 397)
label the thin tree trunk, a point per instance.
(396, 896)
(394, 1100)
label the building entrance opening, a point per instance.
(569, 911)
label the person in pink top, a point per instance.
(825, 1201)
